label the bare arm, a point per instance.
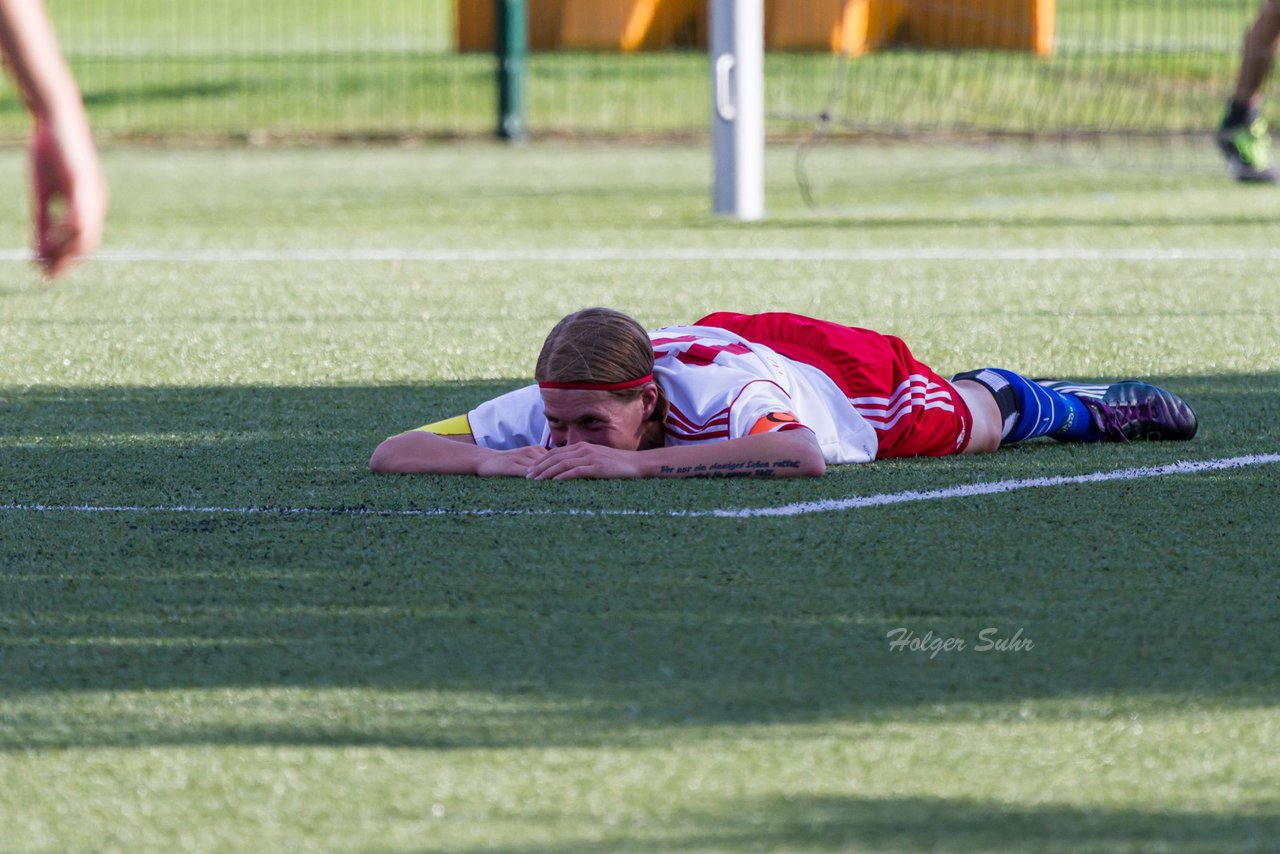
(422, 452)
(69, 192)
(791, 453)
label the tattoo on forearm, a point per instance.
(747, 468)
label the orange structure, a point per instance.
(840, 26)
(474, 24)
(998, 24)
(631, 25)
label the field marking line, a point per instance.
(999, 487)
(830, 505)
(592, 255)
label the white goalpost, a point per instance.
(737, 108)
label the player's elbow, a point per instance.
(383, 459)
(392, 456)
(815, 467)
(810, 464)
(808, 460)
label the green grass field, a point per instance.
(219, 632)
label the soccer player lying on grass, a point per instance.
(777, 395)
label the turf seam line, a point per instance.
(577, 255)
(796, 509)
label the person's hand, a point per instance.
(515, 463)
(584, 460)
(69, 193)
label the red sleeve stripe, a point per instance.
(679, 419)
(696, 437)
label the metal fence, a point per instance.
(293, 70)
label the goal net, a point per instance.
(1146, 77)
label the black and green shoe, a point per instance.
(1247, 147)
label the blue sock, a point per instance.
(1032, 410)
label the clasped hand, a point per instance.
(579, 460)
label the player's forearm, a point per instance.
(419, 452)
(792, 453)
(36, 62)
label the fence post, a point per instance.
(737, 108)
(512, 43)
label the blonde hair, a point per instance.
(599, 346)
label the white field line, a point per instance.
(595, 255)
(797, 509)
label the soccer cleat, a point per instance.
(1247, 147)
(1132, 409)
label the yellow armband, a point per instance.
(455, 426)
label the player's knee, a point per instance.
(988, 424)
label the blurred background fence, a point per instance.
(298, 70)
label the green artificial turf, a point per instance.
(253, 644)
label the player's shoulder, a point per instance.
(526, 398)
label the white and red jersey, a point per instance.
(719, 386)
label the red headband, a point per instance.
(647, 378)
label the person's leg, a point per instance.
(1077, 412)
(988, 424)
(1243, 137)
(1258, 58)
(1131, 409)
(1028, 409)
